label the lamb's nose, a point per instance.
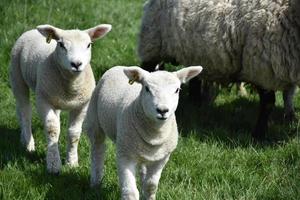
(162, 110)
(76, 64)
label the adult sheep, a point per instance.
(61, 76)
(235, 40)
(140, 119)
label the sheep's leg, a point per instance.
(151, 65)
(126, 173)
(97, 139)
(289, 112)
(24, 117)
(241, 89)
(151, 179)
(50, 117)
(23, 107)
(195, 92)
(267, 101)
(76, 118)
(202, 92)
(143, 171)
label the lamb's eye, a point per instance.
(147, 89)
(89, 45)
(177, 90)
(61, 44)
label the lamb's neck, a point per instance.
(153, 132)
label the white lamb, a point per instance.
(140, 119)
(61, 76)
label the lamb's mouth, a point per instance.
(76, 70)
(162, 118)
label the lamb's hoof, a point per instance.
(72, 164)
(54, 167)
(94, 184)
(30, 148)
(96, 181)
(54, 173)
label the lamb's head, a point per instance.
(73, 48)
(160, 89)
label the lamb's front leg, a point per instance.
(50, 117)
(151, 178)
(76, 118)
(126, 173)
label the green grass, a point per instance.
(215, 158)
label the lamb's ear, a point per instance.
(49, 32)
(99, 31)
(135, 74)
(188, 73)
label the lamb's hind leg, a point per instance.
(23, 107)
(76, 118)
(97, 139)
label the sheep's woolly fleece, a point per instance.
(256, 41)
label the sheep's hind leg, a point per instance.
(23, 107)
(267, 101)
(76, 118)
(289, 112)
(50, 117)
(151, 178)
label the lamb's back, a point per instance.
(114, 94)
(31, 53)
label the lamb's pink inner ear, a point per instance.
(98, 31)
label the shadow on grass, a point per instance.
(72, 184)
(231, 122)
(12, 150)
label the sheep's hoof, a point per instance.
(290, 117)
(258, 136)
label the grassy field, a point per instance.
(215, 158)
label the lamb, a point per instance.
(61, 76)
(140, 119)
(236, 40)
